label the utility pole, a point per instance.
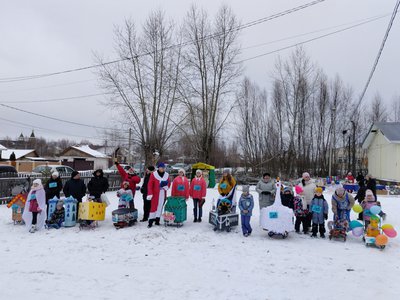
(129, 146)
(331, 142)
(353, 160)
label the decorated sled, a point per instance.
(223, 216)
(124, 217)
(175, 211)
(277, 219)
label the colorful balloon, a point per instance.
(381, 240)
(375, 209)
(387, 226)
(358, 231)
(357, 208)
(355, 224)
(390, 233)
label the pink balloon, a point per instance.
(358, 231)
(390, 232)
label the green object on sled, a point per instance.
(177, 205)
(208, 173)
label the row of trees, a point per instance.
(177, 86)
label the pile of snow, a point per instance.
(193, 262)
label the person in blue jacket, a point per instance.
(246, 205)
(319, 210)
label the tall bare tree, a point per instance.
(209, 74)
(378, 111)
(144, 83)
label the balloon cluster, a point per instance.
(358, 230)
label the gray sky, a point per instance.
(47, 36)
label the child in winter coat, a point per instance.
(300, 212)
(366, 204)
(246, 205)
(34, 214)
(319, 209)
(125, 196)
(57, 218)
(287, 197)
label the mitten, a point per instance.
(149, 197)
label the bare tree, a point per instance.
(209, 73)
(144, 83)
(378, 112)
(395, 109)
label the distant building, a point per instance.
(83, 158)
(383, 150)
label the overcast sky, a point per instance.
(46, 36)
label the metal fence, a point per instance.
(10, 186)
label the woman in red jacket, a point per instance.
(198, 191)
(131, 177)
(180, 185)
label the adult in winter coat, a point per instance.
(157, 193)
(308, 194)
(360, 196)
(180, 185)
(342, 202)
(370, 183)
(227, 185)
(319, 210)
(98, 184)
(53, 188)
(75, 187)
(34, 214)
(143, 190)
(266, 191)
(131, 177)
(198, 191)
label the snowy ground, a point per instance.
(193, 262)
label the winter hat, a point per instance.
(340, 191)
(298, 189)
(246, 189)
(305, 175)
(55, 174)
(227, 171)
(199, 172)
(73, 174)
(287, 189)
(368, 193)
(160, 165)
(318, 189)
(183, 171)
(151, 168)
(127, 182)
(37, 181)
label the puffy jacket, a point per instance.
(246, 202)
(133, 179)
(308, 190)
(341, 205)
(75, 188)
(53, 188)
(98, 184)
(319, 207)
(198, 188)
(266, 191)
(180, 187)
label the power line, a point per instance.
(396, 7)
(56, 99)
(309, 40)
(55, 119)
(238, 28)
(47, 86)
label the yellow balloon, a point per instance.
(357, 208)
(387, 226)
(381, 240)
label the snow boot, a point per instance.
(195, 220)
(150, 223)
(33, 229)
(199, 220)
(157, 221)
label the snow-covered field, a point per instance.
(193, 262)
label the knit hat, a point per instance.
(246, 188)
(183, 171)
(340, 191)
(37, 181)
(227, 171)
(287, 189)
(319, 190)
(368, 193)
(73, 174)
(151, 168)
(198, 171)
(56, 174)
(298, 189)
(305, 174)
(160, 165)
